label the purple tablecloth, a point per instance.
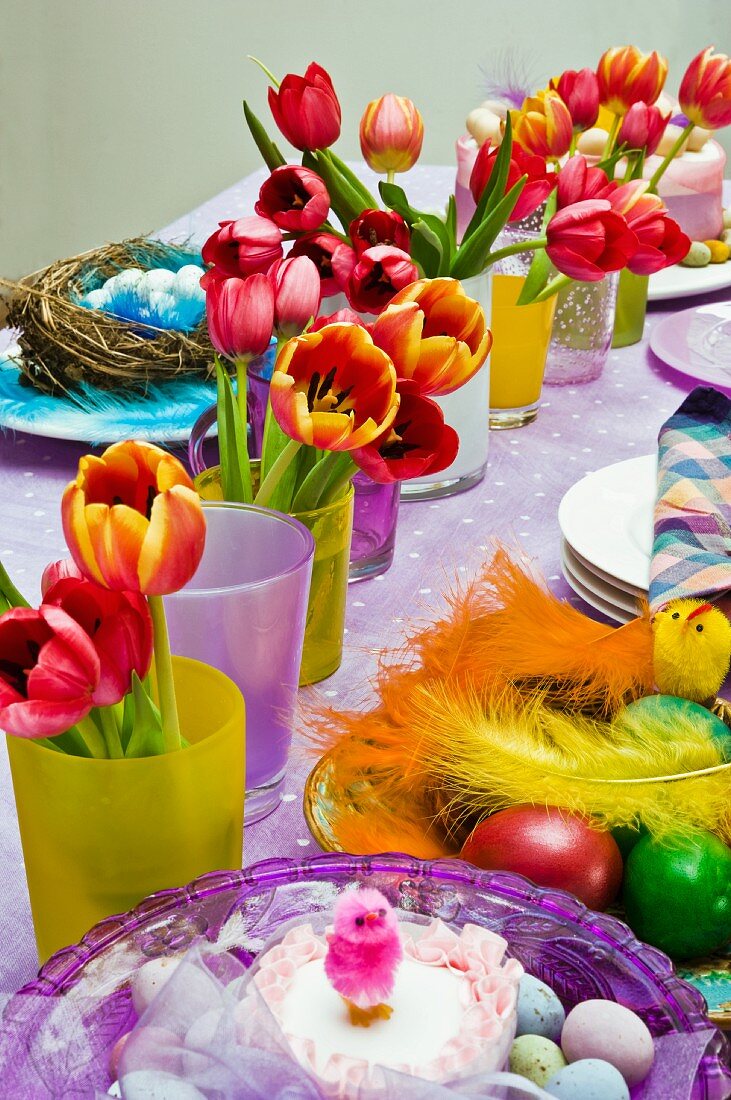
(579, 429)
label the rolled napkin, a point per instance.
(691, 554)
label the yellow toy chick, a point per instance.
(692, 649)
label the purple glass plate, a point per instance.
(581, 954)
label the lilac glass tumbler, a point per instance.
(244, 613)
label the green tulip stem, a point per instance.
(390, 175)
(110, 733)
(612, 136)
(241, 366)
(93, 739)
(519, 246)
(657, 176)
(278, 468)
(164, 673)
(9, 591)
(264, 69)
(574, 140)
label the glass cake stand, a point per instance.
(57, 1033)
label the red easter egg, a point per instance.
(552, 848)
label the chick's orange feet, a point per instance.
(364, 1017)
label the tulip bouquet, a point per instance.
(74, 673)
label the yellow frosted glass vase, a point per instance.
(332, 528)
(100, 835)
(521, 335)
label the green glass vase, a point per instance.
(629, 320)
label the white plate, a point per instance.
(607, 519)
(685, 282)
(165, 415)
(621, 586)
(603, 589)
(611, 610)
(697, 341)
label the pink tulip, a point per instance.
(333, 259)
(661, 240)
(243, 247)
(643, 127)
(577, 182)
(339, 315)
(240, 315)
(580, 92)
(296, 286)
(588, 239)
(118, 624)
(705, 90)
(59, 571)
(49, 671)
(391, 134)
(378, 274)
(306, 109)
(294, 198)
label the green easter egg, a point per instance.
(536, 1058)
(626, 837)
(677, 893)
(657, 707)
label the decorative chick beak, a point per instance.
(370, 917)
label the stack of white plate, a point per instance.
(606, 523)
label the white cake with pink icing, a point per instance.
(452, 1007)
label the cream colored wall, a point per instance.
(118, 115)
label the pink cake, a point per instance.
(692, 188)
(466, 975)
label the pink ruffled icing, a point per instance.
(489, 996)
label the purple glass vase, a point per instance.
(376, 506)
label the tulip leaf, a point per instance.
(324, 477)
(146, 737)
(270, 154)
(232, 443)
(452, 226)
(355, 183)
(395, 199)
(541, 267)
(344, 199)
(473, 255)
(495, 188)
(426, 249)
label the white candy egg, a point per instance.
(127, 278)
(159, 279)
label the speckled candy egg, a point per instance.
(610, 1032)
(539, 1010)
(536, 1058)
(552, 848)
(148, 1084)
(149, 980)
(590, 1079)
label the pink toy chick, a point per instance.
(363, 954)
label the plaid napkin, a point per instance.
(691, 555)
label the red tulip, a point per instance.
(294, 198)
(133, 521)
(375, 227)
(378, 273)
(347, 315)
(580, 92)
(333, 259)
(59, 571)
(627, 76)
(577, 182)
(538, 187)
(240, 314)
(705, 91)
(49, 671)
(391, 134)
(543, 126)
(417, 443)
(306, 109)
(434, 334)
(643, 127)
(334, 389)
(661, 240)
(588, 239)
(119, 626)
(243, 247)
(296, 285)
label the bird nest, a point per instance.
(63, 343)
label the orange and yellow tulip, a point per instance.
(543, 125)
(627, 76)
(391, 134)
(133, 521)
(333, 388)
(434, 334)
(705, 91)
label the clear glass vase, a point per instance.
(582, 332)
